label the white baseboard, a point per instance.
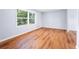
(56, 28)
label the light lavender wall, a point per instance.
(8, 26)
(55, 19)
(7, 23)
(72, 19)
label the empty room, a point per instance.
(39, 28)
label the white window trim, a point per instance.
(29, 11)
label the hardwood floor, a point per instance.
(43, 38)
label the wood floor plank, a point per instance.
(43, 38)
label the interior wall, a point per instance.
(55, 19)
(8, 25)
(72, 19)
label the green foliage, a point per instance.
(31, 21)
(21, 21)
(21, 13)
(22, 17)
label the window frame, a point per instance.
(32, 17)
(28, 22)
(22, 18)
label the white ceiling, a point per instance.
(47, 10)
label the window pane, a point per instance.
(21, 21)
(22, 17)
(30, 15)
(33, 16)
(31, 21)
(21, 13)
(24, 21)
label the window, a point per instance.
(22, 17)
(31, 18)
